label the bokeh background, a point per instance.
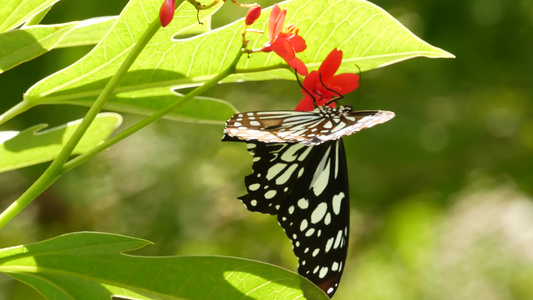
(441, 196)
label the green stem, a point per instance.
(54, 171)
(134, 128)
(15, 111)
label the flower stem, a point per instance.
(54, 171)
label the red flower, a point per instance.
(166, 13)
(323, 84)
(285, 42)
(252, 15)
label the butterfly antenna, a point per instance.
(359, 74)
(331, 90)
(301, 85)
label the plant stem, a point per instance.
(59, 167)
(148, 120)
(15, 111)
(54, 171)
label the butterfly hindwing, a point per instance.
(317, 218)
(276, 169)
(306, 186)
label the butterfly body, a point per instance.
(300, 175)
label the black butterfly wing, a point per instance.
(299, 173)
(307, 187)
(277, 168)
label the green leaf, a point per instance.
(86, 32)
(92, 72)
(369, 37)
(89, 266)
(204, 110)
(32, 146)
(24, 44)
(15, 12)
(21, 45)
(91, 31)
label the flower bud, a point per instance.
(166, 13)
(252, 15)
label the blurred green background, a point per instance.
(441, 196)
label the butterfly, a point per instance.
(300, 175)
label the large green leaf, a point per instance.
(369, 37)
(90, 266)
(15, 12)
(87, 32)
(21, 45)
(32, 146)
(82, 82)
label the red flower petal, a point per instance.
(166, 13)
(306, 104)
(324, 85)
(285, 42)
(344, 83)
(298, 43)
(282, 47)
(310, 82)
(298, 65)
(330, 65)
(275, 22)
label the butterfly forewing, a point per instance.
(310, 128)
(306, 186)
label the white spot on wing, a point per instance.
(303, 225)
(283, 178)
(323, 272)
(321, 176)
(290, 154)
(337, 201)
(303, 203)
(329, 243)
(291, 210)
(310, 232)
(270, 194)
(275, 170)
(335, 266)
(338, 240)
(319, 212)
